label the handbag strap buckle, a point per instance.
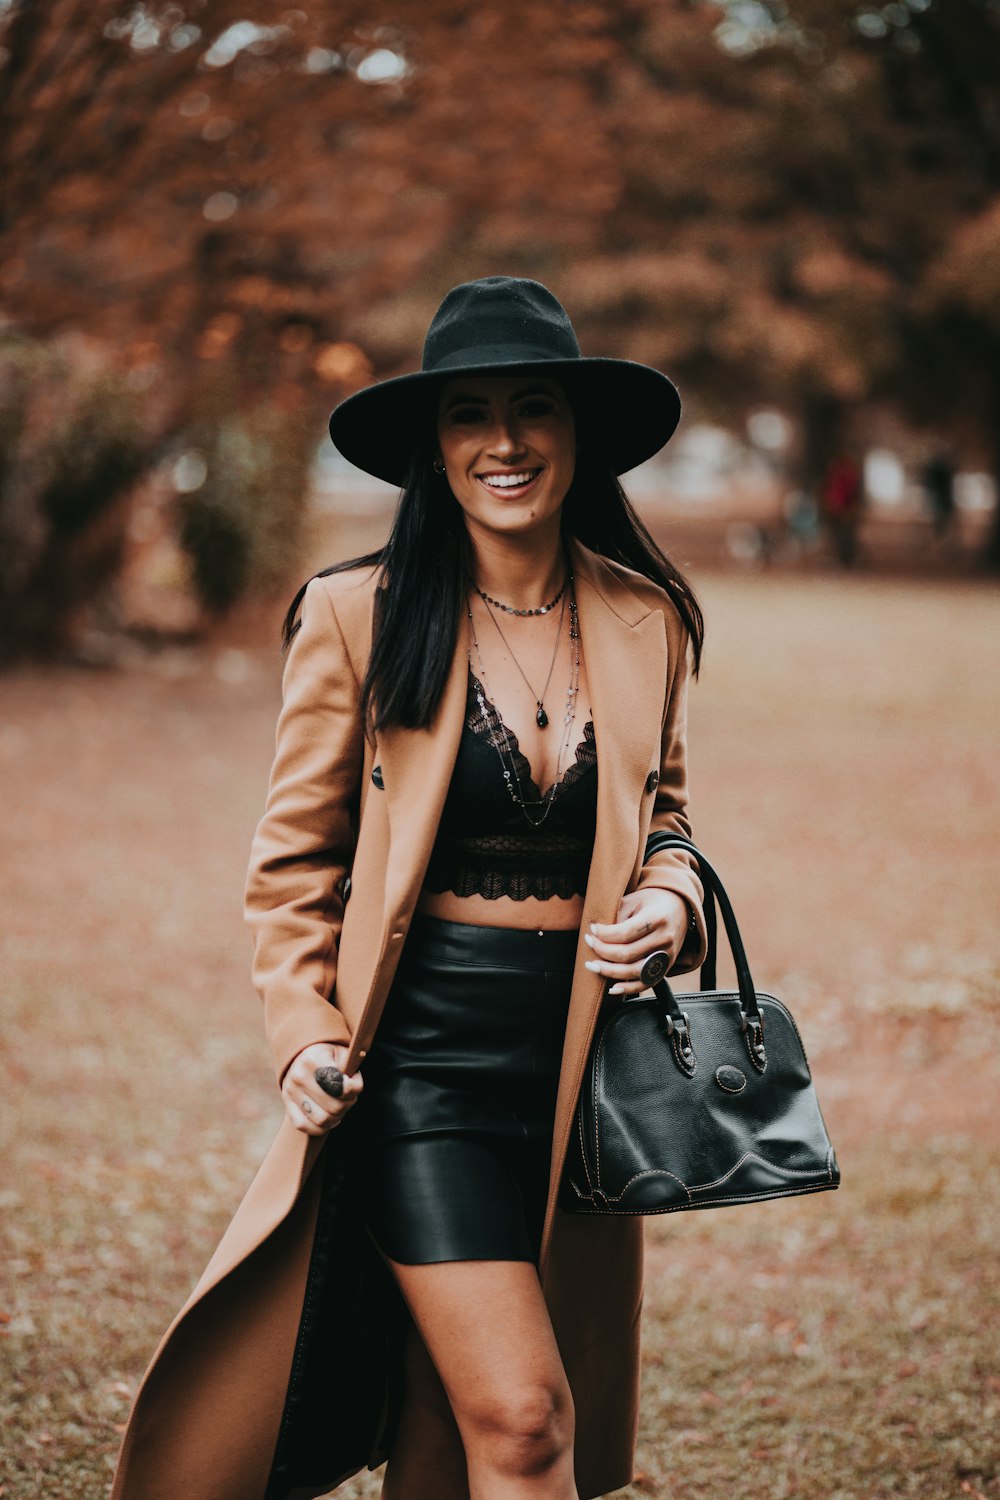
(753, 1029)
(679, 1031)
(675, 1021)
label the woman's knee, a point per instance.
(523, 1431)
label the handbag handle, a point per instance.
(715, 892)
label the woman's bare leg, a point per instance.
(487, 1329)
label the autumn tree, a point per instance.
(246, 214)
(809, 213)
(240, 218)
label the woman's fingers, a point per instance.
(316, 1090)
(632, 929)
(309, 1123)
(308, 1115)
(648, 920)
(610, 970)
(629, 952)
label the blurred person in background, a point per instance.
(841, 501)
(937, 478)
(482, 723)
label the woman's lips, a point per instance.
(508, 484)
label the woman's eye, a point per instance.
(467, 415)
(538, 408)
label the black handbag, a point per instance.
(698, 1100)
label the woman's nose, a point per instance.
(506, 440)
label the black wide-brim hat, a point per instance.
(495, 326)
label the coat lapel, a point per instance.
(625, 648)
(416, 768)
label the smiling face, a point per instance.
(509, 448)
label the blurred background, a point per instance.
(215, 226)
(218, 221)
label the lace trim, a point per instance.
(488, 725)
(508, 864)
(523, 886)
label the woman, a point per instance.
(481, 725)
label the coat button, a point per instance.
(652, 781)
(377, 778)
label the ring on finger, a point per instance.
(331, 1081)
(307, 1108)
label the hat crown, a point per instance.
(499, 320)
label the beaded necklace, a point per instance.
(509, 609)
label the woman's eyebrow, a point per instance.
(466, 400)
(533, 390)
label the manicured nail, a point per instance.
(616, 989)
(593, 926)
(588, 939)
(594, 967)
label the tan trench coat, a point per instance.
(222, 1385)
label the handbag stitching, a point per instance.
(673, 1208)
(649, 1172)
(584, 1197)
(756, 1155)
(583, 1143)
(597, 1116)
(725, 1087)
(705, 1187)
(583, 1151)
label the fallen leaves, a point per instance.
(897, 1312)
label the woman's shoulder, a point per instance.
(349, 592)
(335, 609)
(641, 590)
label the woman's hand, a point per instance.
(648, 921)
(310, 1088)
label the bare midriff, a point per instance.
(553, 915)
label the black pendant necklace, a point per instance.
(541, 717)
(533, 809)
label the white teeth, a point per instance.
(507, 481)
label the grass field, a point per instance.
(845, 779)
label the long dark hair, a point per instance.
(425, 569)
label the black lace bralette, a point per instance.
(485, 845)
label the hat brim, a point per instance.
(628, 411)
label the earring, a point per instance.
(438, 466)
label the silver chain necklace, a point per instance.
(541, 717)
(512, 780)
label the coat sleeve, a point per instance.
(304, 843)
(673, 870)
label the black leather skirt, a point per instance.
(455, 1122)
